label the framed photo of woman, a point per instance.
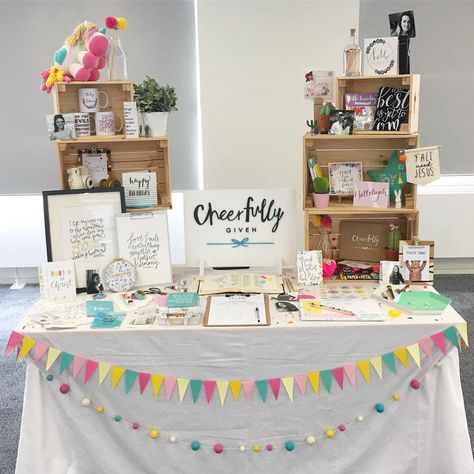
(80, 226)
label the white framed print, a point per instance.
(381, 56)
(240, 227)
(343, 177)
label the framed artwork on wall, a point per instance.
(80, 226)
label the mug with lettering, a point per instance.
(82, 124)
(89, 100)
(105, 123)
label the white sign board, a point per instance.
(240, 227)
(423, 165)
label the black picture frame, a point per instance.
(51, 218)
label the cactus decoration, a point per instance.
(313, 126)
(327, 108)
(393, 238)
(321, 185)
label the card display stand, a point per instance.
(126, 154)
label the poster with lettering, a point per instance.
(140, 189)
(143, 240)
(240, 227)
(88, 234)
(343, 177)
(130, 115)
(380, 56)
(423, 165)
(57, 280)
(371, 194)
(309, 264)
(392, 109)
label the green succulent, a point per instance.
(321, 185)
(151, 97)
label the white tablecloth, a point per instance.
(424, 432)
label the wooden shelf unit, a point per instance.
(126, 154)
(373, 84)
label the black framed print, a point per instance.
(80, 226)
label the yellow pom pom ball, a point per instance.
(256, 448)
(99, 409)
(396, 397)
(121, 23)
(329, 433)
(153, 434)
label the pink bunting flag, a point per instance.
(425, 344)
(77, 364)
(91, 367)
(209, 387)
(275, 386)
(14, 340)
(143, 379)
(40, 350)
(170, 383)
(300, 380)
(440, 341)
(338, 374)
(248, 386)
(350, 371)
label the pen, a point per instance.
(257, 314)
(331, 308)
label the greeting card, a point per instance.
(57, 280)
(371, 194)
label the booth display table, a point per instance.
(423, 430)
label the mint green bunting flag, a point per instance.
(389, 360)
(196, 386)
(326, 376)
(66, 359)
(262, 386)
(452, 335)
(130, 377)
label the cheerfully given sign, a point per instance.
(244, 227)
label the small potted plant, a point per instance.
(393, 241)
(321, 191)
(155, 102)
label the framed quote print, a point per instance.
(80, 226)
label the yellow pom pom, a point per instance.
(121, 23)
(153, 434)
(396, 397)
(329, 433)
(99, 409)
(256, 448)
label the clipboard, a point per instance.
(236, 311)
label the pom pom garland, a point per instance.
(269, 447)
(415, 384)
(256, 448)
(379, 407)
(195, 445)
(310, 440)
(218, 448)
(115, 23)
(135, 426)
(121, 23)
(64, 388)
(289, 445)
(49, 377)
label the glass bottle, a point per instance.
(352, 57)
(324, 244)
(116, 60)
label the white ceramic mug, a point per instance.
(82, 124)
(105, 123)
(89, 100)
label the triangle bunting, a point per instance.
(196, 386)
(338, 374)
(26, 347)
(170, 383)
(143, 379)
(248, 386)
(235, 388)
(350, 371)
(91, 367)
(364, 367)
(440, 341)
(77, 364)
(117, 373)
(182, 387)
(66, 359)
(414, 350)
(313, 378)
(288, 383)
(377, 365)
(262, 386)
(301, 382)
(452, 335)
(389, 360)
(104, 369)
(209, 387)
(326, 377)
(222, 386)
(462, 329)
(275, 386)
(53, 354)
(402, 356)
(13, 341)
(156, 381)
(130, 377)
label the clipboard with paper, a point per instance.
(237, 310)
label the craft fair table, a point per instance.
(332, 397)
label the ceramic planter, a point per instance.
(157, 123)
(321, 200)
(391, 255)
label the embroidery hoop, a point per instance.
(120, 279)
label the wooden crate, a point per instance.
(371, 150)
(131, 154)
(66, 96)
(408, 224)
(373, 84)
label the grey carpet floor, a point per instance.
(15, 303)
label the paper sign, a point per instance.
(380, 56)
(422, 165)
(140, 189)
(392, 109)
(343, 176)
(371, 194)
(240, 227)
(96, 164)
(310, 268)
(131, 119)
(417, 262)
(57, 280)
(319, 84)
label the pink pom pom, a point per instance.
(415, 384)
(67, 79)
(89, 60)
(94, 75)
(98, 44)
(218, 448)
(111, 22)
(135, 426)
(326, 222)
(45, 74)
(102, 62)
(64, 388)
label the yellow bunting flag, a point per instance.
(53, 354)
(288, 383)
(414, 350)
(402, 355)
(377, 365)
(26, 347)
(222, 387)
(103, 371)
(182, 387)
(235, 388)
(117, 373)
(364, 367)
(462, 329)
(156, 381)
(313, 378)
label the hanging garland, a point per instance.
(456, 335)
